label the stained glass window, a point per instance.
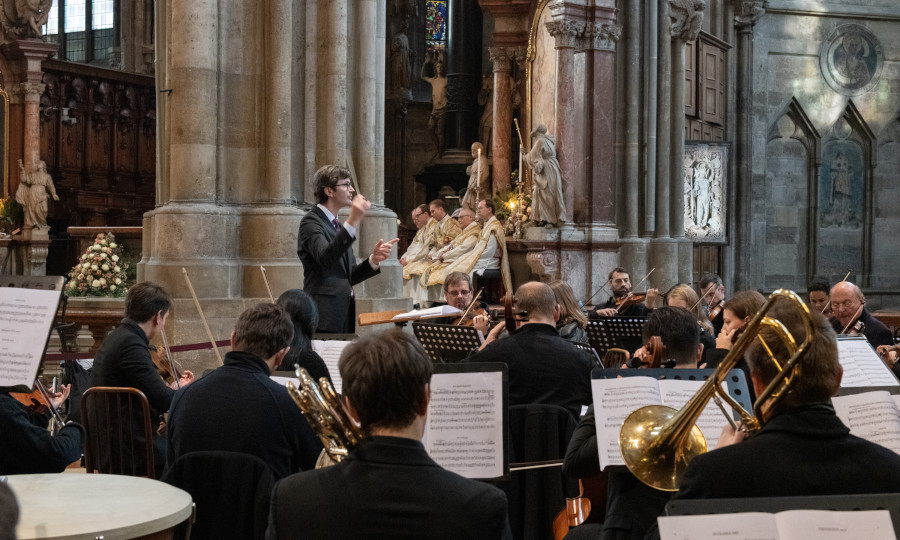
(436, 24)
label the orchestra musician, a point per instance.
(303, 313)
(817, 293)
(620, 282)
(572, 322)
(632, 507)
(123, 358)
(712, 291)
(459, 294)
(388, 486)
(28, 446)
(848, 304)
(238, 408)
(684, 296)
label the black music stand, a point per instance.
(616, 332)
(735, 381)
(592, 352)
(878, 501)
(446, 343)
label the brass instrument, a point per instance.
(327, 416)
(658, 442)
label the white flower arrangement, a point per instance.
(94, 275)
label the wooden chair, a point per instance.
(119, 432)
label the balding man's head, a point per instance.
(539, 301)
(846, 299)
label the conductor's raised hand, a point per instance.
(358, 209)
(383, 250)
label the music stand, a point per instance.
(877, 501)
(735, 381)
(447, 343)
(619, 332)
(592, 352)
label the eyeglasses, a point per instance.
(458, 293)
(348, 185)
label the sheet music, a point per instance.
(26, 316)
(787, 525)
(464, 429)
(874, 416)
(862, 366)
(615, 399)
(330, 351)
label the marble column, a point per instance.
(503, 138)
(747, 13)
(602, 37)
(565, 33)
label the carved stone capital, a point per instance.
(686, 18)
(544, 263)
(602, 36)
(565, 32)
(31, 91)
(747, 12)
(500, 58)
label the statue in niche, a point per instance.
(702, 193)
(478, 172)
(841, 192)
(402, 59)
(486, 100)
(547, 204)
(704, 190)
(687, 18)
(434, 72)
(32, 195)
(24, 18)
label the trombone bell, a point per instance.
(656, 465)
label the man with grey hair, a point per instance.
(543, 367)
(848, 304)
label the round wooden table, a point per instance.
(88, 506)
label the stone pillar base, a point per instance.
(31, 251)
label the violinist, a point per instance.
(624, 302)
(848, 303)
(572, 322)
(28, 446)
(817, 293)
(712, 293)
(459, 294)
(123, 358)
(683, 296)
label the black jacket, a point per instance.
(238, 408)
(28, 448)
(330, 270)
(387, 488)
(543, 368)
(875, 331)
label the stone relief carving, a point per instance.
(687, 18)
(566, 32)
(851, 59)
(747, 12)
(705, 168)
(22, 19)
(602, 36)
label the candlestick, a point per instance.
(478, 169)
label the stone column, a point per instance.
(503, 139)
(566, 33)
(747, 13)
(463, 74)
(602, 37)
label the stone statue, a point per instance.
(402, 59)
(702, 193)
(547, 204)
(24, 18)
(687, 18)
(32, 195)
(479, 173)
(841, 191)
(486, 100)
(434, 72)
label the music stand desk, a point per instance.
(384, 317)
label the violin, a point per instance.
(163, 364)
(629, 299)
(855, 326)
(716, 310)
(38, 401)
(468, 319)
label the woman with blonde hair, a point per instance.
(572, 321)
(684, 296)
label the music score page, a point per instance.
(787, 525)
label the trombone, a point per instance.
(658, 442)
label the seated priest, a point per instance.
(434, 277)
(417, 250)
(388, 486)
(851, 317)
(238, 408)
(419, 261)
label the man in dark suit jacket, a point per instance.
(620, 282)
(238, 408)
(803, 448)
(543, 367)
(387, 487)
(846, 301)
(324, 247)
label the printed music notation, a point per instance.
(787, 525)
(464, 430)
(26, 316)
(862, 366)
(874, 416)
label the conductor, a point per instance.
(324, 246)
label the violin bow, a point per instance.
(855, 317)
(619, 309)
(828, 304)
(175, 374)
(266, 281)
(716, 288)
(212, 340)
(53, 410)
(605, 283)
(468, 309)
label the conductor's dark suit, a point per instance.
(387, 488)
(329, 271)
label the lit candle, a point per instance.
(478, 172)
